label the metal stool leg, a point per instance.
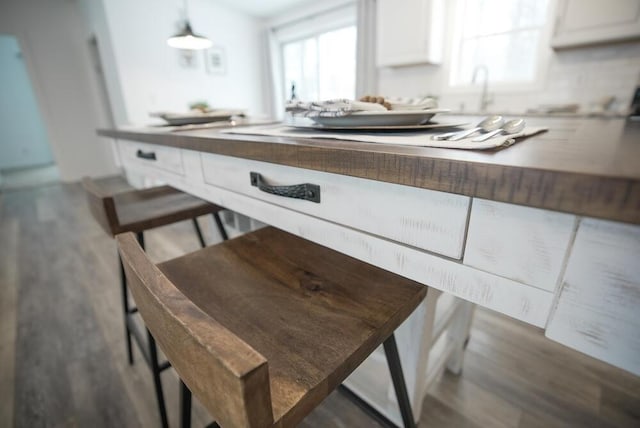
(393, 359)
(199, 232)
(185, 406)
(125, 309)
(221, 229)
(140, 236)
(155, 369)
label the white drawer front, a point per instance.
(430, 220)
(151, 156)
(520, 301)
(597, 312)
(525, 244)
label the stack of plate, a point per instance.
(390, 119)
(194, 117)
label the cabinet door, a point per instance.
(409, 32)
(584, 22)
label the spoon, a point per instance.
(511, 127)
(490, 123)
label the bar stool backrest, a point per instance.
(231, 376)
(101, 205)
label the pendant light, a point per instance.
(187, 39)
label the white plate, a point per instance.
(178, 119)
(383, 128)
(380, 118)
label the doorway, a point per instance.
(25, 154)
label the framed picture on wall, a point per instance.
(216, 60)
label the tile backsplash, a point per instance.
(581, 75)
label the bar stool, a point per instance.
(119, 208)
(263, 327)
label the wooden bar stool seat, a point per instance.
(119, 208)
(136, 210)
(263, 327)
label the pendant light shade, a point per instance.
(187, 39)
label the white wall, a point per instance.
(98, 28)
(145, 75)
(571, 76)
(53, 37)
(23, 139)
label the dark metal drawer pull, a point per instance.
(306, 191)
(146, 155)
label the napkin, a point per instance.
(404, 103)
(491, 143)
(331, 108)
(419, 139)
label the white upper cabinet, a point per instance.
(409, 32)
(586, 22)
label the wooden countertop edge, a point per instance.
(610, 198)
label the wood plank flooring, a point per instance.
(63, 363)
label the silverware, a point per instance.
(444, 136)
(487, 124)
(511, 127)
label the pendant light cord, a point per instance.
(186, 38)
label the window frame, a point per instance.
(316, 37)
(544, 53)
(341, 16)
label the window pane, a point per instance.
(337, 64)
(503, 35)
(509, 57)
(308, 89)
(529, 13)
(292, 61)
(322, 67)
(300, 66)
(483, 17)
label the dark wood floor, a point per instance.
(62, 356)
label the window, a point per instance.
(321, 67)
(316, 53)
(506, 36)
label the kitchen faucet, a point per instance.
(485, 99)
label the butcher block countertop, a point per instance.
(588, 167)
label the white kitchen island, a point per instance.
(545, 231)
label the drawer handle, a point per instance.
(146, 155)
(306, 191)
